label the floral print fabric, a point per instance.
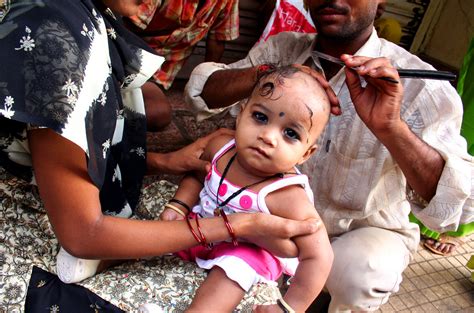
(71, 66)
(27, 240)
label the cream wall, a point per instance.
(448, 39)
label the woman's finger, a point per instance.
(299, 228)
(199, 165)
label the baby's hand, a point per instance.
(170, 215)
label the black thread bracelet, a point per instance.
(181, 203)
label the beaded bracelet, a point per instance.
(286, 308)
(181, 203)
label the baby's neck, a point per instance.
(240, 175)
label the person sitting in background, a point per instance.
(447, 243)
(173, 28)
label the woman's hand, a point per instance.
(185, 159)
(335, 107)
(272, 232)
(378, 103)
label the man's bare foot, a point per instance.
(441, 248)
(446, 245)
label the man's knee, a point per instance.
(157, 107)
(367, 268)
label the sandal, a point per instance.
(446, 239)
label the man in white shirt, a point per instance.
(381, 158)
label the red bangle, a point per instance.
(229, 227)
(199, 240)
(203, 238)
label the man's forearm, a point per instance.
(225, 87)
(421, 164)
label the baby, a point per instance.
(255, 171)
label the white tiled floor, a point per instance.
(433, 283)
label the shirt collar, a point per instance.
(371, 48)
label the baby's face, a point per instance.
(277, 131)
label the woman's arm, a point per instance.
(315, 252)
(185, 159)
(192, 183)
(73, 207)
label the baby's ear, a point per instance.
(311, 150)
(243, 104)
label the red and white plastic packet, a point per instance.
(288, 15)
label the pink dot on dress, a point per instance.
(222, 190)
(245, 202)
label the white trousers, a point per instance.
(367, 269)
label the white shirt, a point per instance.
(356, 182)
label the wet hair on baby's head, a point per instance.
(273, 76)
(277, 75)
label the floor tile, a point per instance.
(429, 307)
(397, 303)
(419, 296)
(409, 301)
(446, 305)
(430, 294)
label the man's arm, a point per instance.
(226, 87)
(420, 163)
(378, 105)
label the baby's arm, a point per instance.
(315, 252)
(187, 193)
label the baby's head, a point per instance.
(280, 122)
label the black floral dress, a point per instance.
(70, 66)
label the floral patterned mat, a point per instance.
(27, 240)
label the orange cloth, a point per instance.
(173, 27)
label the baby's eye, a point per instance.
(260, 117)
(291, 134)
